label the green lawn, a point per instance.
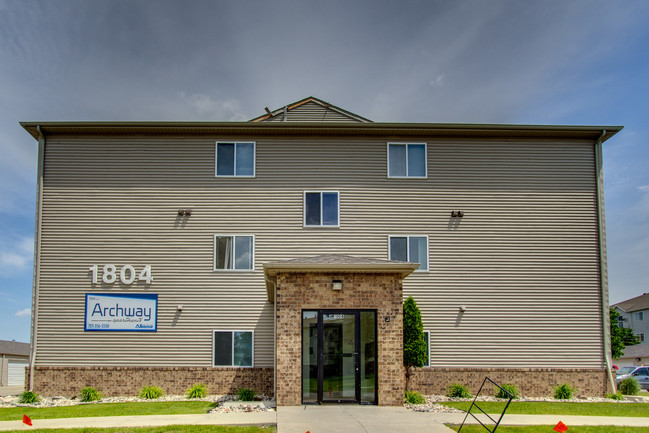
(558, 408)
(165, 429)
(548, 429)
(107, 409)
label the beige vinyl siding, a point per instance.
(311, 112)
(524, 258)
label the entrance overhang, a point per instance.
(338, 263)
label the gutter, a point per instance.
(37, 253)
(603, 267)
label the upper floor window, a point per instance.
(321, 208)
(407, 160)
(412, 249)
(233, 252)
(235, 159)
(639, 315)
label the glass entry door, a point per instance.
(339, 356)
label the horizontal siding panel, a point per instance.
(524, 259)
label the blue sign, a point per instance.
(121, 312)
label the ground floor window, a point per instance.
(427, 339)
(233, 348)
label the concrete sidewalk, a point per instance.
(329, 419)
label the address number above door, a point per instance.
(126, 274)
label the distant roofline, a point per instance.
(636, 303)
(586, 132)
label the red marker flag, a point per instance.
(27, 420)
(561, 427)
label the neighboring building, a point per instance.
(634, 355)
(275, 254)
(14, 358)
(634, 314)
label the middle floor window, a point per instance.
(233, 252)
(321, 208)
(412, 249)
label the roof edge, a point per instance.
(317, 128)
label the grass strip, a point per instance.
(107, 409)
(163, 429)
(548, 428)
(558, 408)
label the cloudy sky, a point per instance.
(483, 61)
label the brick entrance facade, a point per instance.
(297, 291)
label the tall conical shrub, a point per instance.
(414, 344)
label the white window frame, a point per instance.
(408, 249)
(235, 142)
(252, 357)
(427, 363)
(233, 236)
(639, 315)
(320, 226)
(425, 176)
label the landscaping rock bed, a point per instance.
(432, 402)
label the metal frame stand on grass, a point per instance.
(473, 404)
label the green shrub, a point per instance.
(616, 396)
(458, 391)
(151, 392)
(512, 389)
(563, 392)
(197, 391)
(246, 394)
(90, 394)
(29, 397)
(413, 397)
(629, 386)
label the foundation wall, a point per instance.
(311, 291)
(532, 382)
(127, 381)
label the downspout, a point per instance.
(37, 254)
(274, 284)
(603, 267)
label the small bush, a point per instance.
(512, 389)
(629, 386)
(197, 391)
(563, 392)
(458, 391)
(246, 394)
(413, 397)
(616, 396)
(29, 397)
(89, 394)
(151, 392)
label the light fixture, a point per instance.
(180, 308)
(184, 212)
(462, 308)
(337, 285)
(387, 318)
(457, 213)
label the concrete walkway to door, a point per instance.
(354, 418)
